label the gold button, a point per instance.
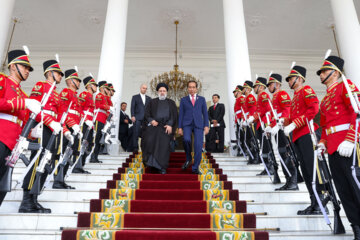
(335, 107)
(337, 112)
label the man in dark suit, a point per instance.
(193, 118)
(138, 104)
(217, 125)
(124, 127)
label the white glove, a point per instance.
(89, 123)
(268, 129)
(288, 129)
(245, 124)
(76, 129)
(250, 120)
(112, 110)
(69, 137)
(275, 130)
(36, 132)
(281, 121)
(346, 148)
(33, 105)
(56, 127)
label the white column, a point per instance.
(348, 35)
(237, 53)
(111, 67)
(6, 11)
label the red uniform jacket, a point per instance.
(281, 102)
(88, 104)
(101, 104)
(52, 106)
(335, 109)
(74, 116)
(304, 104)
(249, 106)
(262, 107)
(12, 103)
(240, 102)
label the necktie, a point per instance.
(214, 106)
(193, 100)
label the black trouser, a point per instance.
(123, 137)
(30, 177)
(98, 127)
(251, 142)
(4, 152)
(136, 134)
(304, 151)
(265, 145)
(285, 155)
(74, 147)
(216, 133)
(90, 144)
(346, 187)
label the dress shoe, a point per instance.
(186, 165)
(162, 171)
(58, 185)
(196, 172)
(68, 186)
(262, 173)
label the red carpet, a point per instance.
(141, 204)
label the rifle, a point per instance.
(320, 162)
(87, 160)
(48, 178)
(104, 131)
(66, 157)
(84, 146)
(246, 146)
(22, 145)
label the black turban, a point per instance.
(162, 85)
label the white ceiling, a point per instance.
(276, 25)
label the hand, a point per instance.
(268, 129)
(168, 129)
(275, 130)
(126, 121)
(346, 148)
(281, 121)
(245, 123)
(180, 132)
(76, 129)
(206, 130)
(69, 137)
(214, 121)
(89, 123)
(154, 123)
(321, 148)
(33, 105)
(133, 119)
(56, 127)
(288, 129)
(250, 120)
(36, 132)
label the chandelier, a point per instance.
(176, 80)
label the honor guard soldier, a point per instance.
(53, 74)
(249, 110)
(281, 103)
(304, 104)
(239, 104)
(13, 106)
(101, 103)
(69, 95)
(88, 105)
(338, 136)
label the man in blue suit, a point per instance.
(193, 118)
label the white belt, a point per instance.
(89, 113)
(74, 112)
(11, 118)
(103, 111)
(51, 113)
(238, 112)
(337, 128)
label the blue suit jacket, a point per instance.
(189, 114)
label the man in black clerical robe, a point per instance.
(159, 127)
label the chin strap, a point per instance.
(52, 74)
(292, 86)
(23, 79)
(77, 88)
(323, 81)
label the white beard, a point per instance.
(162, 97)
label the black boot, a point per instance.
(2, 196)
(284, 187)
(309, 208)
(300, 179)
(356, 230)
(27, 204)
(58, 185)
(276, 179)
(316, 209)
(39, 206)
(291, 182)
(256, 158)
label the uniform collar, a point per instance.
(331, 87)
